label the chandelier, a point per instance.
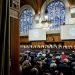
(46, 20)
(43, 22)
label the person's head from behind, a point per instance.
(73, 52)
(34, 71)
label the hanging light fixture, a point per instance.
(45, 22)
(46, 16)
(42, 23)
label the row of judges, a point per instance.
(49, 46)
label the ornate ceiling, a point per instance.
(36, 4)
(72, 2)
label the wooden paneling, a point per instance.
(57, 38)
(49, 38)
(53, 38)
(23, 39)
(37, 43)
(14, 39)
(72, 43)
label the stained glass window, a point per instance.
(56, 14)
(26, 20)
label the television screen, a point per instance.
(67, 32)
(37, 34)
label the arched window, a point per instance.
(26, 20)
(56, 14)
